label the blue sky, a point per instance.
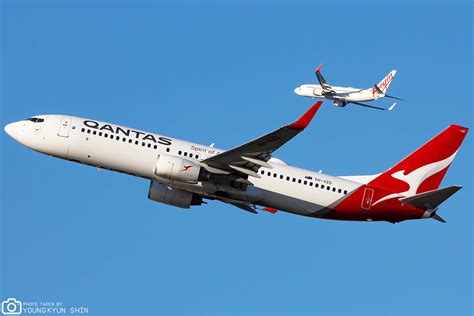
(224, 73)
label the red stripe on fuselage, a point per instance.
(391, 210)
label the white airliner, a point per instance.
(342, 96)
(183, 174)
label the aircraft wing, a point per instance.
(327, 89)
(246, 159)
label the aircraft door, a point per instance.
(64, 126)
(367, 199)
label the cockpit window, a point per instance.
(35, 119)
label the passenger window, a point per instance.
(190, 155)
(155, 147)
(106, 135)
(167, 149)
(262, 172)
(274, 175)
(100, 133)
(185, 154)
(281, 176)
(117, 137)
(88, 131)
(124, 139)
(269, 174)
(322, 186)
(83, 130)
(130, 140)
(94, 132)
(305, 182)
(149, 145)
(328, 188)
(179, 152)
(136, 142)
(311, 184)
(299, 180)
(316, 185)
(197, 156)
(294, 179)
(345, 191)
(111, 136)
(339, 191)
(333, 189)
(143, 144)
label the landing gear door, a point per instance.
(367, 199)
(65, 126)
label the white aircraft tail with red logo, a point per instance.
(385, 83)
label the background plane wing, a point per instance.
(246, 159)
(374, 107)
(326, 88)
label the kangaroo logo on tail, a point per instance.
(416, 178)
(424, 169)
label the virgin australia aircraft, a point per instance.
(342, 96)
(183, 174)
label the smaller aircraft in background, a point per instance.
(342, 96)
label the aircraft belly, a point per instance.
(290, 204)
(302, 202)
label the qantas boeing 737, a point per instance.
(183, 174)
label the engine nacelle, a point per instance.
(339, 103)
(172, 196)
(174, 168)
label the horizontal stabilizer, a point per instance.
(377, 89)
(438, 218)
(431, 199)
(383, 94)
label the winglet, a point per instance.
(304, 120)
(319, 68)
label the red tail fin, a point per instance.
(425, 168)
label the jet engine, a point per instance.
(339, 103)
(172, 196)
(172, 168)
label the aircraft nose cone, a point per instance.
(297, 91)
(12, 130)
(9, 129)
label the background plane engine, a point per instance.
(339, 103)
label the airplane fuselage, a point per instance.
(135, 152)
(343, 94)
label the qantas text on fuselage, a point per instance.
(183, 174)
